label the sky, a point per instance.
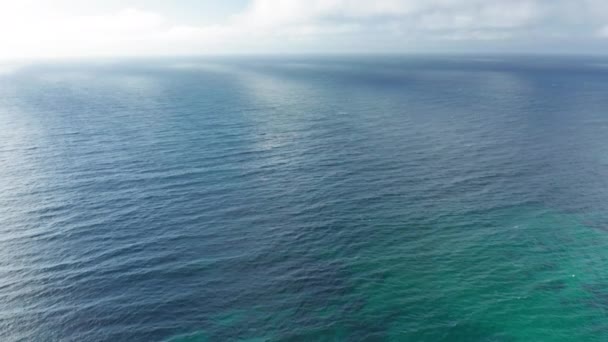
(76, 28)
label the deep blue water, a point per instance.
(305, 199)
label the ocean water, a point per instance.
(427, 198)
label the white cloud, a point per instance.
(29, 29)
(429, 15)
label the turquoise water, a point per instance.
(305, 199)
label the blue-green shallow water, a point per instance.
(305, 199)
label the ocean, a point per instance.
(305, 198)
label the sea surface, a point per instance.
(304, 198)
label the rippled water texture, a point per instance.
(305, 199)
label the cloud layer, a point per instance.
(36, 29)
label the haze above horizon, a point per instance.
(69, 28)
